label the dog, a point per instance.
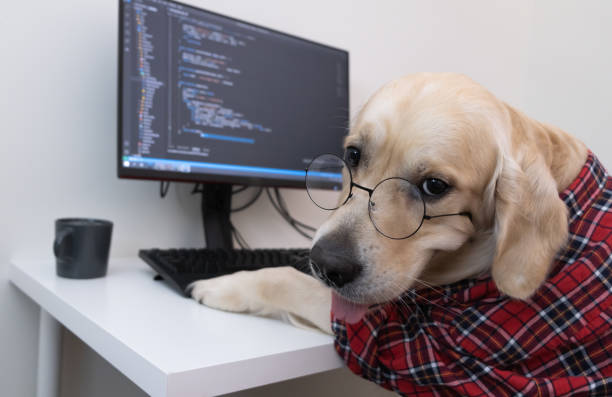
(465, 304)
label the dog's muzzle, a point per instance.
(333, 262)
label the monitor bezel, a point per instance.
(158, 175)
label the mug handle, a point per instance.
(63, 244)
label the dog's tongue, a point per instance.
(346, 310)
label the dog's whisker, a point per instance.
(401, 303)
(434, 287)
(404, 305)
(435, 304)
(415, 293)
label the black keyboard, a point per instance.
(180, 267)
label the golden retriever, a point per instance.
(468, 153)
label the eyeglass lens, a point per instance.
(328, 181)
(395, 207)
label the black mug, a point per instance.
(81, 247)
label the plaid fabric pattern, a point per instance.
(466, 339)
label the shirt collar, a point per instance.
(587, 186)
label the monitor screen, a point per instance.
(208, 98)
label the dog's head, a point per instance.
(466, 152)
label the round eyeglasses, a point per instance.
(396, 207)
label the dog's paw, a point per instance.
(229, 293)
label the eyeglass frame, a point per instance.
(371, 191)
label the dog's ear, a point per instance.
(530, 225)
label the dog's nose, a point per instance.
(333, 262)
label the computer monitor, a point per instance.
(209, 98)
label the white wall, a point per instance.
(569, 75)
(58, 123)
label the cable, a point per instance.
(240, 189)
(197, 188)
(283, 205)
(281, 208)
(250, 202)
(163, 190)
(277, 200)
(238, 237)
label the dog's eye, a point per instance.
(352, 156)
(433, 187)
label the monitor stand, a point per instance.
(216, 208)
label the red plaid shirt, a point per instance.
(467, 339)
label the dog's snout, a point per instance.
(333, 262)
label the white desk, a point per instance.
(166, 344)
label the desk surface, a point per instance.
(167, 344)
